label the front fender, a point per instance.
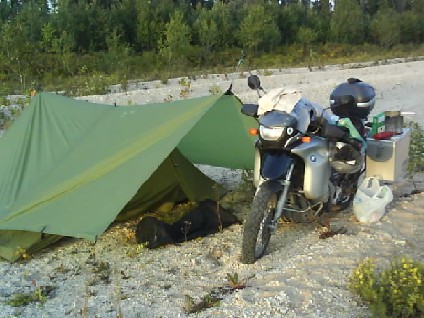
(275, 165)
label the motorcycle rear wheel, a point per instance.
(256, 232)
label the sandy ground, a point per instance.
(300, 276)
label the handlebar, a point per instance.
(328, 130)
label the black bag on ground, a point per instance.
(207, 218)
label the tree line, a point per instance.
(46, 40)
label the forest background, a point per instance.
(81, 47)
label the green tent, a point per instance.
(69, 167)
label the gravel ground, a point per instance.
(300, 276)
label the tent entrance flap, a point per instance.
(176, 180)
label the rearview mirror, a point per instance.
(253, 82)
(250, 110)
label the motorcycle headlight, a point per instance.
(268, 133)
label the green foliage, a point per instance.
(347, 24)
(214, 297)
(4, 101)
(184, 82)
(416, 148)
(207, 30)
(411, 26)
(396, 292)
(215, 89)
(38, 295)
(306, 35)
(258, 28)
(63, 46)
(22, 253)
(235, 282)
(176, 41)
(225, 20)
(150, 25)
(385, 27)
(267, 72)
(102, 271)
(207, 301)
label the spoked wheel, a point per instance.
(256, 234)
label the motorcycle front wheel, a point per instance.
(256, 231)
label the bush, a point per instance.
(416, 148)
(396, 292)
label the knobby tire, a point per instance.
(253, 222)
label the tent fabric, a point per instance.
(14, 244)
(175, 180)
(68, 167)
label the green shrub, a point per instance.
(215, 89)
(267, 72)
(184, 82)
(416, 148)
(38, 295)
(396, 292)
(4, 101)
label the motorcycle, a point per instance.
(306, 163)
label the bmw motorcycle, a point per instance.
(307, 164)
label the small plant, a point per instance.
(215, 89)
(396, 292)
(184, 82)
(218, 212)
(235, 282)
(62, 269)
(4, 101)
(214, 297)
(185, 87)
(22, 102)
(185, 229)
(185, 92)
(38, 295)
(133, 252)
(102, 271)
(267, 72)
(416, 148)
(209, 300)
(22, 254)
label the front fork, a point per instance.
(282, 199)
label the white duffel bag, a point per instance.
(370, 201)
